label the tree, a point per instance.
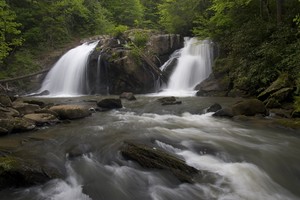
(9, 31)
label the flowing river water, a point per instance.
(252, 159)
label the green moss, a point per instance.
(289, 123)
(7, 163)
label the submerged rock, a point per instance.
(151, 157)
(168, 101)
(128, 95)
(71, 111)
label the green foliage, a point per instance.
(9, 30)
(177, 16)
(140, 39)
(118, 31)
(129, 12)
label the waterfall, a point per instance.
(193, 66)
(67, 76)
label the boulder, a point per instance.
(16, 172)
(224, 112)
(110, 103)
(71, 111)
(37, 102)
(16, 124)
(41, 119)
(151, 157)
(25, 108)
(5, 100)
(128, 95)
(249, 107)
(214, 108)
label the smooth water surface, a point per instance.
(252, 160)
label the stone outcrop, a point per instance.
(119, 65)
(71, 111)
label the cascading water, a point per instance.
(194, 66)
(67, 77)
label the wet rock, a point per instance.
(151, 157)
(214, 108)
(71, 111)
(249, 107)
(25, 108)
(17, 124)
(128, 95)
(224, 112)
(108, 104)
(168, 101)
(41, 119)
(16, 172)
(5, 100)
(78, 150)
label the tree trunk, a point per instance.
(279, 11)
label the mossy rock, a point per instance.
(16, 172)
(289, 123)
(283, 81)
(5, 100)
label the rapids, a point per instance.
(254, 160)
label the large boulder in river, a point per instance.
(16, 172)
(71, 111)
(151, 157)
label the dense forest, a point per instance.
(258, 39)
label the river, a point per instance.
(252, 159)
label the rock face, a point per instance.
(71, 111)
(150, 157)
(249, 107)
(117, 65)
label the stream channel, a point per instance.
(252, 159)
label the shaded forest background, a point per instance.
(258, 39)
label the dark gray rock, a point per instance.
(214, 108)
(110, 103)
(128, 95)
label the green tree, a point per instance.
(9, 30)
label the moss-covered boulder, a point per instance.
(16, 172)
(8, 112)
(17, 124)
(152, 157)
(71, 111)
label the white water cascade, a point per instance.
(194, 66)
(67, 77)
